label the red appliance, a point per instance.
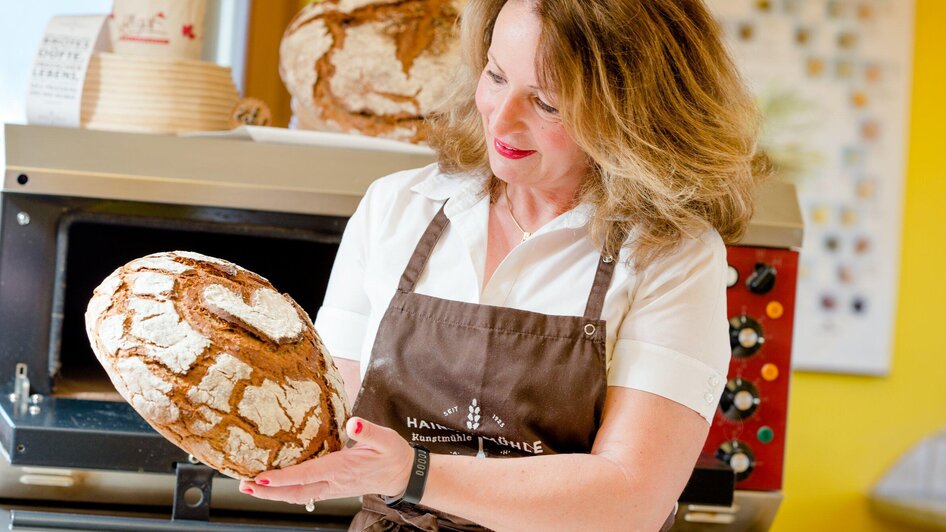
(749, 429)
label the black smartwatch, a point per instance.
(418, 479)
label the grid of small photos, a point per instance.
(833, 79)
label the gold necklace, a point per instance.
(525, 234)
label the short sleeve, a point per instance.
(343, 318)
(674, 341)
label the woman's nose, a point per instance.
(507, 115)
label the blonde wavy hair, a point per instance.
(648, 91)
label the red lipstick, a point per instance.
(508, 151)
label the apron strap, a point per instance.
(601, 283)
(599, 288)
(422, 252)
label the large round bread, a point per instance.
(374, 67)
(218, 361)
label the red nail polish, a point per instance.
(262, 482)
(358, 427)
(247, 490)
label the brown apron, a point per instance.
(479, 380)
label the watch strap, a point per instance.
(417, 481)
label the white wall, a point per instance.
(21, 27)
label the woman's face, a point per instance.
(526, 141)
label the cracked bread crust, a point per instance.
(218, 362)
(374, 67)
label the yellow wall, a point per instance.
(844, 432)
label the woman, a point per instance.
(545, 308)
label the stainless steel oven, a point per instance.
(76, 204)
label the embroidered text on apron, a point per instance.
(480, 380)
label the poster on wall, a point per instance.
(833, 79)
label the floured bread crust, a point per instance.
(375, 67)
(218, 362)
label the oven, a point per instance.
(75, 205)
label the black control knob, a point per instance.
(762, 279)
(740, 399)
(745, 336)
(738, 456)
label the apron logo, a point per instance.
(473, 418)
(472, 422)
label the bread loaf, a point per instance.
(218, 362)
(375, 67)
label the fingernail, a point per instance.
(262, 482)
(247, 490)
(358, 427)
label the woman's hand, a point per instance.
(378, 462)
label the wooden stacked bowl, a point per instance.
(156, 95)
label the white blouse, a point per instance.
(667, 330)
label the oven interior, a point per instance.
(298, 263)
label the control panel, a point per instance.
(748, 432)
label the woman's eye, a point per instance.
(546, 107)
(494, 76)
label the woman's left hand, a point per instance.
(378, 462)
